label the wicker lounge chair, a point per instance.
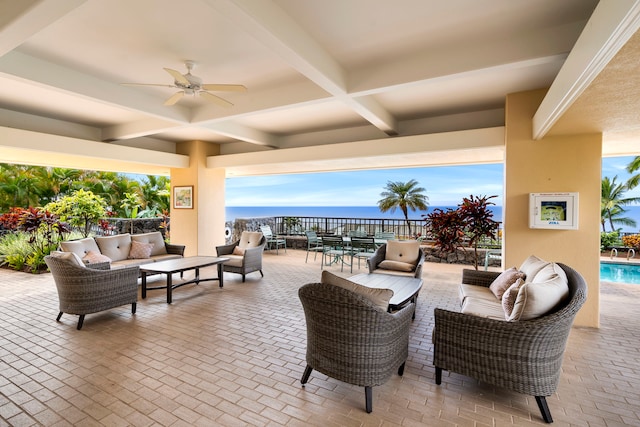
(250, 260)
(416, 258)
(351, 339)
(523, 356)
(84, 290)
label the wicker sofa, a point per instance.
(120, 250)
(524, 355)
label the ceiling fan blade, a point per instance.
(177, 76)
(225, 88)
(174, 98)
(216, 99)
(145, 84)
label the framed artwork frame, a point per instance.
(183, 197)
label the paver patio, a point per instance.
(235, 356)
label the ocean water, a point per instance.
(233, 212)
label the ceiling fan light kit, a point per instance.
(188, 84)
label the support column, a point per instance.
(201, 229)
(570, 163)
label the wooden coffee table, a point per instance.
(180, 265)
(405, 289)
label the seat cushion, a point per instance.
(380, 297)
(407, 251)
(80, 247)
(472, 291)
(115, 247)
(250, 239)
(483, 308)
(155, 238)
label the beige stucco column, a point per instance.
(570, 163)
(201, 229)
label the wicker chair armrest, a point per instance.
(377, 258)
(253, 255)
(175, 249)
(226, 249)
(419, 265)
(479, 278)
(99, 265)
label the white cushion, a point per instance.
(154, 237)
(250, 239)
(388, 264)
(407, 251)
(378, 296)
(538, 298)
(80, 247)
(93, 257)
(115, 247)
(531, 266)
(70, 257)
(483, 308)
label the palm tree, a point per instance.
(611, 201)
(403, 195)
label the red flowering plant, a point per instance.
(45, 230)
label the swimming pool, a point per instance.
(620, 272)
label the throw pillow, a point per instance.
(536, 299)
(140, 250)
(531, 266)
(403, 251)
(380, 297)
(509, 297)
(396, 265)
(238, 251)
(250, 239)
(504, 280)
(92, 257)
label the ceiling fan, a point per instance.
(188, 84)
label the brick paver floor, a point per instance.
(234, 357)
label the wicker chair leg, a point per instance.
(544, 409)
(438, 375)
(133, 308)
(306, 374)
(80, 321)
(401, 369)
(368, 394)
(243, 276)
(261, 273)
(59, 316)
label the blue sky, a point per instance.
(445, 186)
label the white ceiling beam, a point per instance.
(20, 20)
(136, 129)
(278, 31)
(243, 133)
(611, 25)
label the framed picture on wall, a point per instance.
(183, 197)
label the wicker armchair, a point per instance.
(246, 263)
(380, 255)
(350, 339)
(84, 290)
(523, 356)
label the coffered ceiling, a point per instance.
(316, 72)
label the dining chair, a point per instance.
(334, 251)
(314, 244)
(272, 239)
(362, 248)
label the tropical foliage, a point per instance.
(404, 195)
(24, 186)
(469, 223)
(612, 200)
(80, 209)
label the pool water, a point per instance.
(620, 273)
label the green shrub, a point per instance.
(609, 239)
(15, 248)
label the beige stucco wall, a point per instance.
(201, 229)
(556, 164)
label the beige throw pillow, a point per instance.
(93, 257)
(379, 297)
(504, 280)
(535, 299)
(238, 251)
(509, 297)
(387, 264)
(140, 250)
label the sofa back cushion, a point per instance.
(115, 247)
(543, 295)
(531, 266)
(249, 239)
(406, 251)
(80, 247)
(155, 238)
